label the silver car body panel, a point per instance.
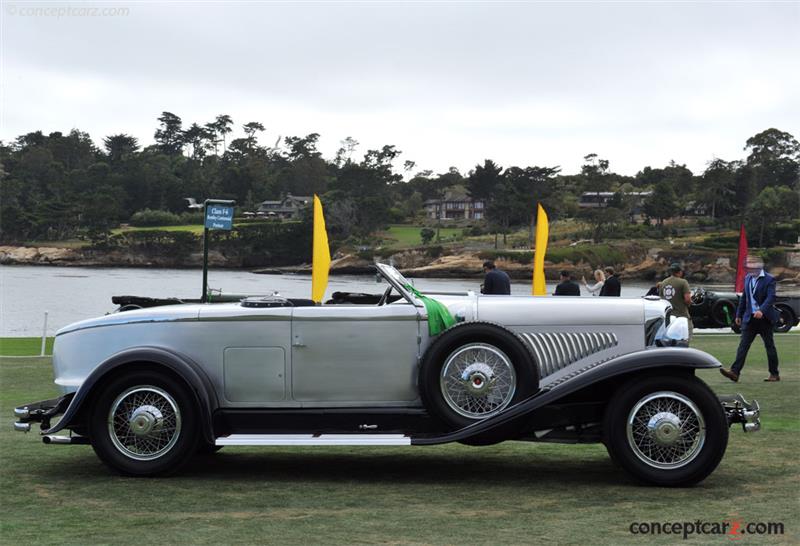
(347, 355)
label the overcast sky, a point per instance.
(447, 83)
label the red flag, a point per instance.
(741, 260)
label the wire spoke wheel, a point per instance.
(666, 430)
(144, 422)
(478, 380)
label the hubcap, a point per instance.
(144, 422)
(478, 380)
(666, 430)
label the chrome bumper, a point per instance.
(739, 410)
(40, 412)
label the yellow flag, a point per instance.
(321, 255)
(542, 233)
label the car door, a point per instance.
(246, 353)
(352, 355)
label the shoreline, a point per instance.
(704, 267)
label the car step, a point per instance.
(314, 440)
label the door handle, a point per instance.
(297, 341)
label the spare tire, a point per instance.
(473, 371)
(723, 312)
(786, 319)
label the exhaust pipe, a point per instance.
(65, 440)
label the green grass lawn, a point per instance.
(24, 346)
(512, 493)
(401, 236)
(196, 229)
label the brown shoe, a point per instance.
(730, 374)
(773, 378)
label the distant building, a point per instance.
(594, 199)
(287, 208)
(456, 205)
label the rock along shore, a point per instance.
(701, 266)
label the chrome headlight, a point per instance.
(677, 333)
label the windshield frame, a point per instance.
(398, 282)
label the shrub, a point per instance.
(474, 231)
(149, 217)
(774, 257)
(592, 254)
(434, 251)
(154, 242)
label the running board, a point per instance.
(314, 440)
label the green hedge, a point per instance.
(592, 254)
(254, 245)
(153, 242)
(150, 218)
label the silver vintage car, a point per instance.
(148, 388)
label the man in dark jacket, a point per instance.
(612, 285)
(495, 281)
(567, 287)
(756, 315)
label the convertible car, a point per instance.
(148, 388)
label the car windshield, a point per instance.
(396, 279)
(392, 274)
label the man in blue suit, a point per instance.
(756, 315)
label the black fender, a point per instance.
(194, 376)
(668, 359)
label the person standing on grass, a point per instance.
(495, 281)
(567, 287)
(756, 315)
(612, 286)
(675, 289)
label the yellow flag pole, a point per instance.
(542, 233)
(321, 255)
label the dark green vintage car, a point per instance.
(718, 310)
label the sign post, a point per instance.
(218, 214)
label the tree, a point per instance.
(717, 189)
(213, 135)
(594, 172)
(223, 125)
(772, 145)
(662, 203)
(426, 234)
(484, 180)
(198, 138)
(774, 159)
(595, 179)
(303, 147)
(345, 152)
(250, 129)
(772, 205)
(681, 179)
(169, 136)
(120, 147)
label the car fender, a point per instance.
(651, 359)
(183, 366)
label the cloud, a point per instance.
(449, 84)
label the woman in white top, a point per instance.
(595, 288)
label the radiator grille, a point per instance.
(555, 351)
